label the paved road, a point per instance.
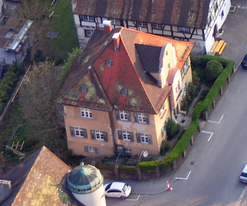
(209, 175)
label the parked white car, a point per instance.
(117, 189)
(243, 174)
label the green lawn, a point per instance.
(62, 21)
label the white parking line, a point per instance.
(134, 199)
(242, 198)
(215, 121)
(211, 134)
(182, 178)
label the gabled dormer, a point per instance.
(158, 61)
(167, 61)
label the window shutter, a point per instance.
(120, 136)
(129, 117)
(86, 149)
(150, 139)
(92, 134)
(117, 114)
(138, 137)
(136, 117)
(96, 150)
(72, 131)
(147, 119)
(131, 137)
(85, 133)
(105, 136)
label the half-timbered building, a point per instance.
(188, 20)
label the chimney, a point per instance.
(116, 40)
(107, 26)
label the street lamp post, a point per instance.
(144, 153)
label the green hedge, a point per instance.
(127, 169)
(205, 105)
(8, 83)
(103, 166)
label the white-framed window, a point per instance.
(163, 130)
(128, 151)
(88, 32)
(141, 24)
(126, 135)
(186, 67)
(141, 118)
(86, 113)
(87, 18)
(144, 138)
(115, 22)
(78, 132)
(91, 149)
(184, 29)
(162, 110)
(99, 135)
(123, 115)
(156, 26)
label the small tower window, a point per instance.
(108, 62)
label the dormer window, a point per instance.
(124, 91)
(84, 89)
(108, 62)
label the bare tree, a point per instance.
(37, 99)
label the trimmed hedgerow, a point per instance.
(205, 105)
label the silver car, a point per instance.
(117, 189)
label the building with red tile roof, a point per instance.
(121, 89)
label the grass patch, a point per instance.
(61, 21)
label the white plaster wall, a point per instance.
(95, 198)
(219, 21)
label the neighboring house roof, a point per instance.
(13, 37)
(189, 13)
(106, 85)
(39, 180)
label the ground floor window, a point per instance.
(91, 149)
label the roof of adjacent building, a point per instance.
(39, 180)
(104, 78)
(188, 13)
